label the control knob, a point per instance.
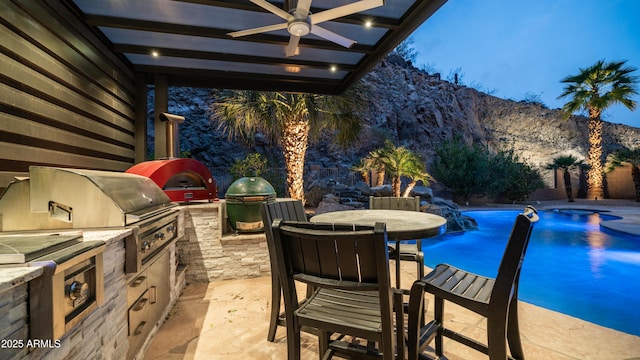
(78, 290)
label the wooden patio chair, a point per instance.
(288, 209)
(347, 266)
(496, 299)
(406, 251)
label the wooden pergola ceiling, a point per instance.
(189, 41)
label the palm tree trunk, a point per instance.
(567, 185)
(395, 186)
(365, 177)
(635, 174)
(595, 176)
(380, 178)
(295, 136)
(410, 187)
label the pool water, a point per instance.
(571, 266)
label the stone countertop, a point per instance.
(12, 276)
(106, 235)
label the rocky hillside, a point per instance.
(418, 110)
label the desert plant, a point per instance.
(462, 168)
(474, 170)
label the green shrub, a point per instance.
(474, 170)
(252, 165)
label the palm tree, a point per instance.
(594, 89)
(567, 163)
(627, 157)
(291, 120)
(415, 174)
(363, 169)
(375, 161)
(398, 161)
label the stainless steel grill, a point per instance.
(63, 200)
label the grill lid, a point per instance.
(58, 198)
(250, 187)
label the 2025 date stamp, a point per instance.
(30, 343)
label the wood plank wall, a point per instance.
(65, 99)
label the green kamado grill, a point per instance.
(244, 198)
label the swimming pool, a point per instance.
(571, 265)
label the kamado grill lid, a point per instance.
(250, 187)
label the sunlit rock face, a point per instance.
(415, 109)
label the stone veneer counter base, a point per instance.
(213, 253)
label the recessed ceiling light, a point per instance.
(154, 53)
(368, 23)
(333, 68)
(292, 69)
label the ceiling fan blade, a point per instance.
(272, 9)
(344, 10)
(292, 47)
(331, 36)
(258, 30)
(302, 9)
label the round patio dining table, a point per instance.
(401, 224)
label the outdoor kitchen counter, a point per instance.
(11, 277)
(108, 236)
(14, 276)
(102, 332)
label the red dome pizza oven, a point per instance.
(183, 180)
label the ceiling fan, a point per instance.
(301, 22)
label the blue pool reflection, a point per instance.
(571, 265)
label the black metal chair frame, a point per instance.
(496, 299)
(347, 266)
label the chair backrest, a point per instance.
(506, 285)
(394, 203)
(338, 256)
(288, 209)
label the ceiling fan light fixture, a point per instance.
(299, 28)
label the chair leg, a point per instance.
(415, 319)
(398, 306)
(420, 276)
(323, 343)
(513, 331)
(398, 286)
(439, 318)
(276, 293)
(293, 343)
(497, 337)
